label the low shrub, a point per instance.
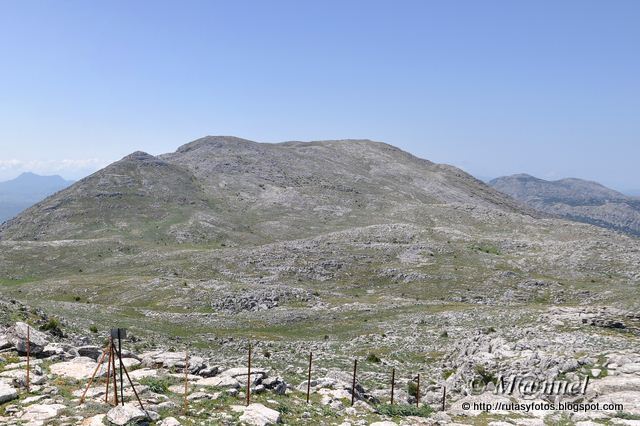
(400, 410)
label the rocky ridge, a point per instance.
(575, 199)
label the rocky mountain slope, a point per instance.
(26, 190)
(575, 199)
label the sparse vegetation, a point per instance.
(485, 375)
(372, 357)
(404, 410)
(53, 326)
(157, 385)
(487, 248)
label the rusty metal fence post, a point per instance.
(393, 382)
(186, 380)
(249, 377)
(28, 357)
(353, 383)
(309, 377)
(444, 396)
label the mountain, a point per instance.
(350, 249)
(575, 199)
(25, 190)
(234, 191)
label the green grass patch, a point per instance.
(627, 416)
(9, 282)
(156, 385)
(396, 410)
(487, 248)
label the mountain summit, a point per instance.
(232, 190)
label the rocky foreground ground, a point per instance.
(61, 366)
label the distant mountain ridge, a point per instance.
(25, 190)
(575, 199)
(232, 190)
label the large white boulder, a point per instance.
(142, 373)
(39, 412)
(80, 368)
(219, 382)
(257, 415)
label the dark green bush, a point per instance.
(53, 326)
(412, 388)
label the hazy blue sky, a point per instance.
(551, 88)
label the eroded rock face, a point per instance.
(125, 414)
(18, 337)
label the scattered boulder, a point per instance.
(166, 359)
(92, 352)
(240, 374)
(40, 412)
(18, 337)
(19, 377)
(169, 421)
(142, 373)
(80, 368)
(125, 414)
(7, 392)
(127, 362)
(5, 343)
(209, 371)
(614, 384)
(257, 415)
(97, 420)
(276, 384)
(219, 381)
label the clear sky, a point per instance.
(551, 88)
